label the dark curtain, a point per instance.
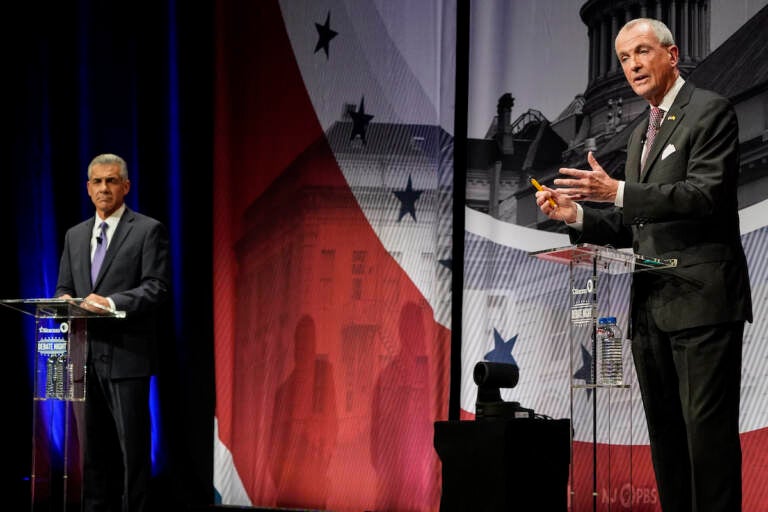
(132, 78)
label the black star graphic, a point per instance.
(585, 372)
(360, 121)
(408, 198)
(502, 350)
(324, 35)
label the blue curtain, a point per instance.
(135, 79)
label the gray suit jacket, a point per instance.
(684, 206)
(135, 274)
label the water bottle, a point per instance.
(54, 377)
(59, 373)
(69, 383)
(609, 343)
(50, 377)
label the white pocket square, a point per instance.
(667, 151)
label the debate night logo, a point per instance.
(52, 340)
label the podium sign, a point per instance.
(601, 414)
(601, 260)
(60, 374)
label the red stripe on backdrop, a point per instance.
(754, 449)
(327, 356)
(625, 478)
(626, 481)
(263, 119)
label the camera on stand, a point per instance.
(490, 378)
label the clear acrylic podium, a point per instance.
(59, 376)
(601, 415)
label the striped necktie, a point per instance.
(653, 128)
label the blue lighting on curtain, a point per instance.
(174, 224)
(38, 246)
(84, 114)
(174, 164)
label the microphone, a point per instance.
(98, 239)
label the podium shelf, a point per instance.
(607, 259)
(58, 308)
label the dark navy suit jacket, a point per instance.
(135, 275)
(683, 206)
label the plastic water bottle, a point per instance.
(50, 377)
(609, 343)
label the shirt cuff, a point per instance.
(578, 224)
(111, 305)
(619, 201)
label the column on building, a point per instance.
(659, 10)
(592, 53)
(614, 32)
(603, 46)
(685, 38)
(707, 28)
(695, 33)
(672, 21)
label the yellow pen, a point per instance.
(540, 188)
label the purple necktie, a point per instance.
(653, 127)
(101, 250)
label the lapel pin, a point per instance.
(671, 118)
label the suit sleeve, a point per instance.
(153, 273)
(604, 226)
(66, 282)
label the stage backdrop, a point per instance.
(333, 137)
(332, 220)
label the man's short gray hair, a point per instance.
(109, 159)
(663, 34)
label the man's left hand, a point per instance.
(594, 185)
(97, 304)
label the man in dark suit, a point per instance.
(134, 278)
(678, 201)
